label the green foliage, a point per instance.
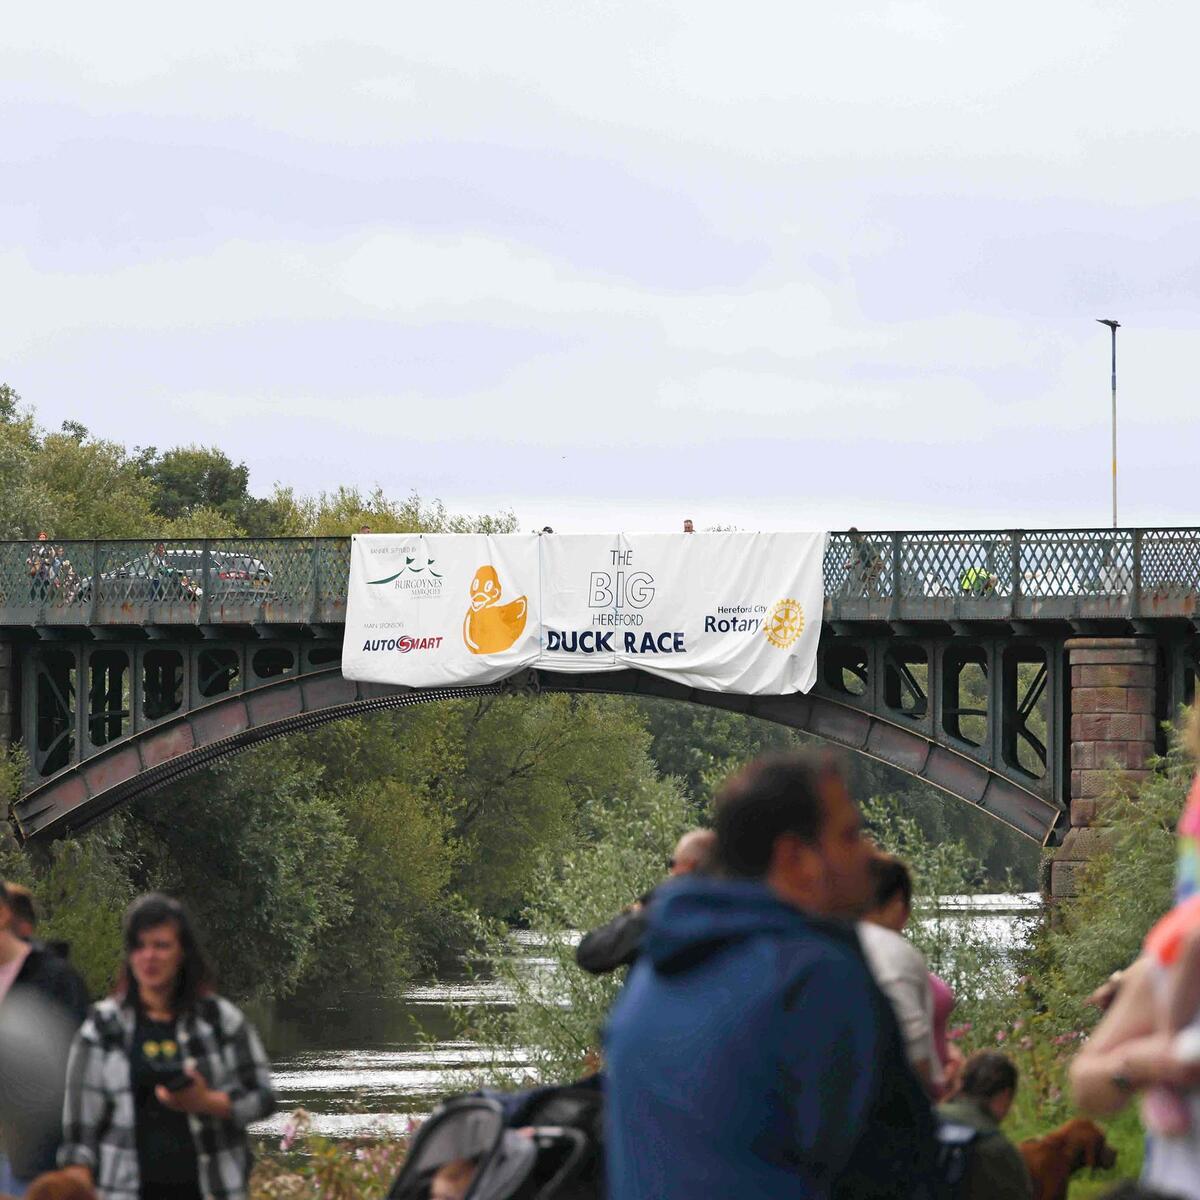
(199, 523)
(396, 882)
(82, 892)
(1124, 889)
(558, 1009)
(23, 506)
(260, 854)
(701, 746)
(188, 479)
(93, 489)
(9, 403)
(348, 509)
(527, 771)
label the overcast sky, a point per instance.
(613, 264)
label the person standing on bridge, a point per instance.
(164, 1075)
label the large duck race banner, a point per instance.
(729, 612)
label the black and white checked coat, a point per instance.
(99, 1116)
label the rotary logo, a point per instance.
(784, 623)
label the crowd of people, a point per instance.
(777, 1036)
(51, 575)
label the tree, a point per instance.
(553, 1025)
(9, 403)
(702, 746)
(92, 489)
(259, 852)
(188, 479)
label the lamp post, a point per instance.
(1113, 326)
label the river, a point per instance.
(367, 1064)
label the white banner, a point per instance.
(729, 612)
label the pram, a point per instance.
(540, 1145)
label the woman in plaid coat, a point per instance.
(164, 1075)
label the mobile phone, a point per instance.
(176, 1081)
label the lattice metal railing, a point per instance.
(1029, 573)
(973, 565)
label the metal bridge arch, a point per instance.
(153, 758)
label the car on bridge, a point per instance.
(175, 575)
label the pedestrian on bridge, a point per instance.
(164, 1075)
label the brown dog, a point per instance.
(1055, 1157)
(59, 1185)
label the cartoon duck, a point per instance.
(490, 626)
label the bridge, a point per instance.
(1011, 669)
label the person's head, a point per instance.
(547, 529)
(451, 1180)
(788, 820)
(364, 529)
(43, 536)
(162, 953)
(990, 1079)
(693, 852)
(891, 897)
(24, 914)
(159, 548)
(688, 527)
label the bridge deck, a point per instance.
(1019, 575)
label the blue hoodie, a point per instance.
(744, 1054)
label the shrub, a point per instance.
(557, 1010)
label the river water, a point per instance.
(367, 1064)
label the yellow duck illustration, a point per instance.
(490, 626)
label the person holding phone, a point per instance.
(164, 1075)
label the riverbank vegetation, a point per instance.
(360, 855)
(364, 853)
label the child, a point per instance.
(451, 1180)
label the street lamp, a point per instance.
(1114, 326)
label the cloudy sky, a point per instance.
(613, 264)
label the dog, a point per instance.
(1053, 1158)
(58, 1185)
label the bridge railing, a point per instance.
(980, 574)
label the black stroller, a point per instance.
(540, 1145)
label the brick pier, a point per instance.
(1112, 726)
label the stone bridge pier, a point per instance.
(1113, 706)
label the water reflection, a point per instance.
(369, 1064)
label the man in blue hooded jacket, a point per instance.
(750, 1054)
